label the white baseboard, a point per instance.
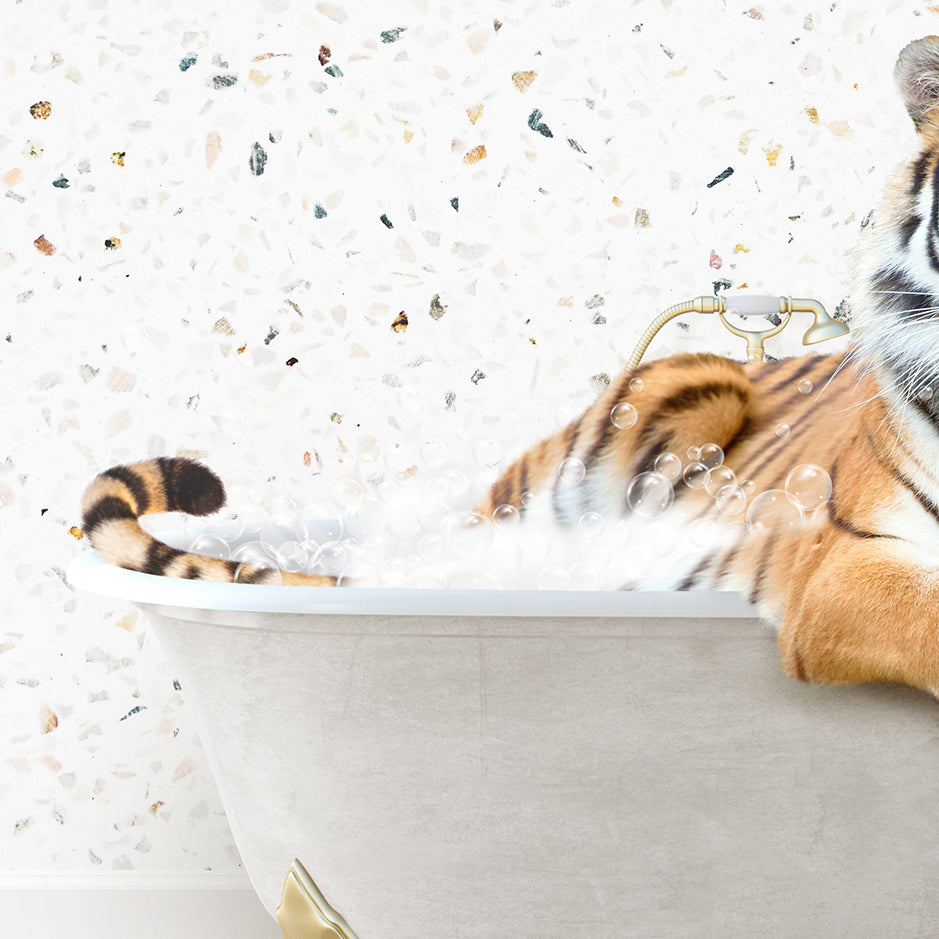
(117, 904)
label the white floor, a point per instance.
(79, 909)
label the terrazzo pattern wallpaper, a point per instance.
(311, 242)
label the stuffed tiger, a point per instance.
(844, 559)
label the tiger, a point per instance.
(849, 580)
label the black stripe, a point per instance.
(902, 295)
(256, 576)
(166, 466)
(919, 173)
(192, 572)
(807, 366)
(838, 520)
(931, 249)
(919, 495)
(934, 214)
(499, 492)
(522, 486)
(748, 427)
(159, 557)
(691, 580)
(908, 228)
(842, 524)
(134, 482)
(691, 396)
(104, 510)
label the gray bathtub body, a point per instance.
(643, 769)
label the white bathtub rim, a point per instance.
(91, 574)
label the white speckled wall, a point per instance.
(213, 217)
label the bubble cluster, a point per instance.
(413, 529)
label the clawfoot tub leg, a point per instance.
(303, 912)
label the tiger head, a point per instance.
(895, 300)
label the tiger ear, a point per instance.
(917, 75)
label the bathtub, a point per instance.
(539, 765)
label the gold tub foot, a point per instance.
(303, 912)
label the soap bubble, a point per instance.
(436, 489)
(715, 479)
(284, 507)
(257, 552)
(554, 577)
(649, 495)
(636, 385)
(805, 386)
(470, 535)
(395, 572)
(370, 509)
(731, 499)
(432, 547)
(403, 517)
(474, 581)
(590, 522)
(273, 532)
(624, 415)
(572, 471)
(506, 516)
(669, 465)
(295, 555)
(397, 459)
(771, 511)
(702, 533)
(748, 486)
(210, 545)
(693, 454)
(348, 493)
(431, 515)
(457, 482)
(432, 450)
(808, 485)
(266, 574)
(711, 455)
(332, 557)
(429, 578)
(256, 560)
(323, 523)
(695, 475)
(782, 430)
(486, 452)
(193, 527)
(502, 559)
(585, 576)
(526, 496)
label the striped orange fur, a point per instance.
(852, 584)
